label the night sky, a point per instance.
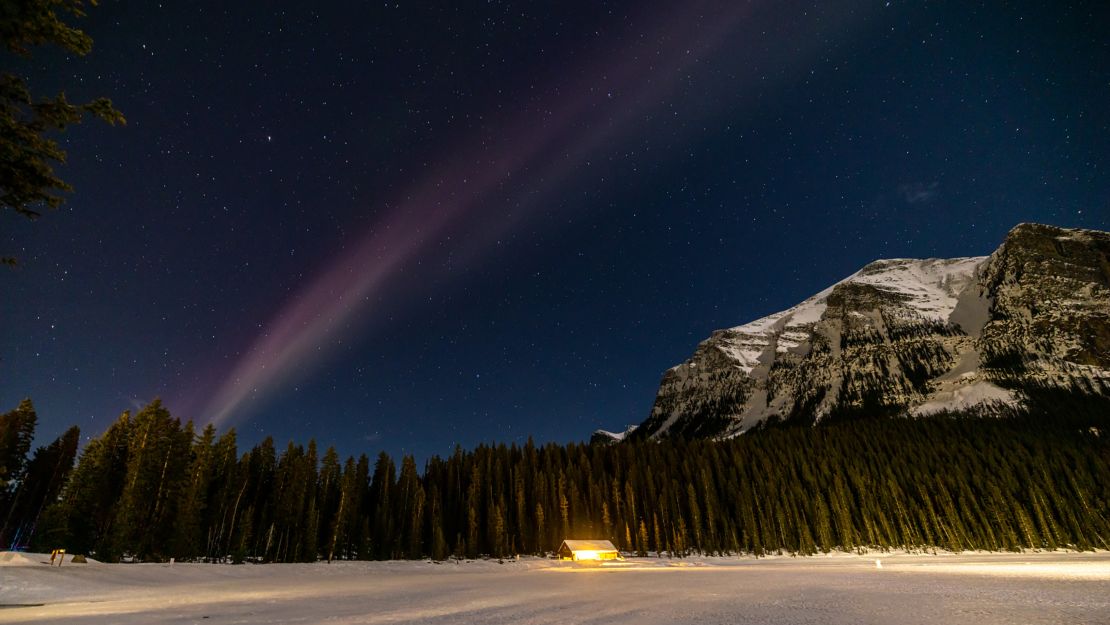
(411, 225)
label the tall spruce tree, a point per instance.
(157, 461)
(42, 482)
(188, 533)
(17, 431)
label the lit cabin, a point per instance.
(585, 550)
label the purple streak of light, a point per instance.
(461, 191)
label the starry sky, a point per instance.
(414, 225)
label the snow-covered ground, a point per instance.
(982, 589)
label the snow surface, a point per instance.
(20, 558)
(930, 287)
(987, 589)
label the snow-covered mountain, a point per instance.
(605, 437)
(908, 336)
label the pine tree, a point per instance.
(188, 537)
(439, 542)
(473, 502)
(157, 458)
(410, 506)
(43, 480)
(83, 519)
(642, 540)
(17, 430)
(226, 491)
(256, 526)
(381, 492)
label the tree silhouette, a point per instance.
(28, 153)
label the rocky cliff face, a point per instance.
(908, 336)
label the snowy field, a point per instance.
(983, 589)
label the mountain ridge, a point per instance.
(907, 336)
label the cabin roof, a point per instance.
(588, 545)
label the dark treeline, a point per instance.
(151, 488)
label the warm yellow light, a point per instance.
(587, 555)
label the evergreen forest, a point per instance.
(151, 487)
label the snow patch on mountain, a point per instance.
(605, 436)
(930, 288)
(962, 397)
